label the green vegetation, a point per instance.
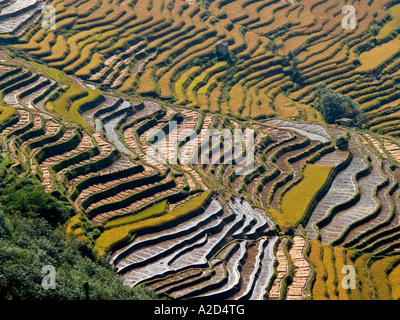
(151, 212)
(394, 280)
(390, 26)
(296, 201)
(70, 103)
(116, 235)
(371, 277)
(341, 143)
(53, 73)
(379, 271)
(6, 113)
(319, 271)
(150, 57)
(334, 105)
(32, 236)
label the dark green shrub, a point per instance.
(334, 105)
(341, 143)
(32, 237)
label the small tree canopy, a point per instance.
(341, 143)
(334, 105)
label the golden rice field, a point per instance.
(181, 39)
(296, 201)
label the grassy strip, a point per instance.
(319, 273)
(151, 212)
(391, 25)
(53, 73)
(6, 113)
(340, 262)
(379, 270)
(296, 201)
(110, 238)
(331, 281)
(394, 282)
(73, 101)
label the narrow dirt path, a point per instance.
(301, 269)
(281, 271)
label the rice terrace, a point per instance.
(200, 149)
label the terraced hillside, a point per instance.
(16, 16)
(99, 108)
(279, 51)
(195, 229)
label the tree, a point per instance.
(27, 197)
(341, 143)
(32, 237)
(334, 105)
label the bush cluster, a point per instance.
(334, 105)
(32, 236)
